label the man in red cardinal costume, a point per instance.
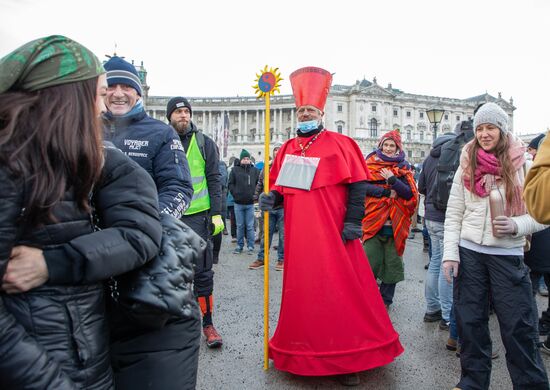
(332, 319)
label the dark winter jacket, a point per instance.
(24, 362)
(242, 183)
(211, 157)
(427, 181)
(123, 200)
(156, 147)
(163, 287)
(537, 258)
(399, 185)
(224, 174)
(260, 188)
(55, 336)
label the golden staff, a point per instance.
(267, 83)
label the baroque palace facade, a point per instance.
(363, 111)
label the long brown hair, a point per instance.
(502, 154)
(52, 139)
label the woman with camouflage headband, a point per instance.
(53, 328)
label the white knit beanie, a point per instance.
(491, 113)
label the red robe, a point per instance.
(332, 319)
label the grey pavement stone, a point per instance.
(238, 316)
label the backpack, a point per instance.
(447, 165)
(223, 172)
(199, 137)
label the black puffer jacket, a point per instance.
(55, 336)
(537, 257)
(427, 180)
(242, 183)
(163, 287)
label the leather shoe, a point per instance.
(444, 325)
(433, 317)
(544, 329)
(452, 344)
(349, 379)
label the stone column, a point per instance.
(274, 124)
(240, 127)
(257, 125)
(204, 121)
(282, 127)
(256, 137)
(292, 116)
(246, 123)
(208, 130)
(262, 133)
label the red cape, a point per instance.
(332, 319)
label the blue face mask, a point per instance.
(307, 126)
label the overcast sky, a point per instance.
(455, 49)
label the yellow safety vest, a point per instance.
(197, 166)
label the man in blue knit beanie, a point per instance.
(156, 147)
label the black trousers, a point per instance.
(204, 275)
(387, 290)
(233, 222)
(535, 278)
(506, 278)
(216, 246)
(166, 358)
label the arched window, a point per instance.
(340, 129)
(373, 127)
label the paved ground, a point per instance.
(425, 364)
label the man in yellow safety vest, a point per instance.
(203, 215)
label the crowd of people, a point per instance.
(111, 222)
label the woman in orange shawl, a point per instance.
(390, 202)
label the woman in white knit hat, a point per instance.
(485, 227)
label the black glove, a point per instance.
(351, 231)
(386, 192)
(266, 201)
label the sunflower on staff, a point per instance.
(267, 82)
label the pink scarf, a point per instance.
(488, 172)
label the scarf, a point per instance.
(488, 172)
(47, 62)
(398, 210)
(138, 107)
(398, 158)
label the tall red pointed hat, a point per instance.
(310, 86)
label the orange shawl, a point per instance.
(399, 210)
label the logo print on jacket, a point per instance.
(135, 144)
(176, 145)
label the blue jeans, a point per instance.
(276, 219)
(426, 235)
(453, 331)
(438, 292)
(244, 216)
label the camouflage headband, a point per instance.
(46, 62)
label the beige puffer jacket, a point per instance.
(468, 217)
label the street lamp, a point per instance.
(434, 116)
